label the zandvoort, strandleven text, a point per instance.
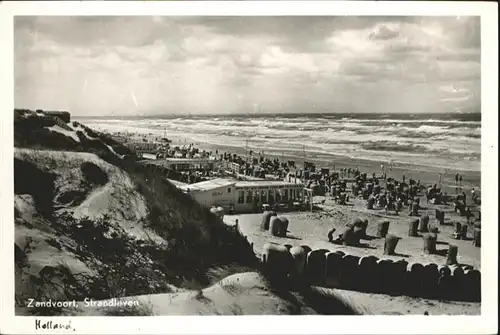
(87, 302)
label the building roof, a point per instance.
(170, 160)
(265, 183)
(149, 156)
(188, 160)
(209, 185)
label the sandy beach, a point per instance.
(311, 229)
(426, 174)
(293, 160)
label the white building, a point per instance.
(245, 196)
(251, 195)
(215, 192)
(187, 164)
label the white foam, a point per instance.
(324, 135)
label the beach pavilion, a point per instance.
(245, 196)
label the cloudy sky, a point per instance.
(164, 65)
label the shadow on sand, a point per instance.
(292, 237)
(442, 252)
(365, 246)
(400, 255)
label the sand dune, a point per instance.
(47, 256)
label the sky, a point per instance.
(98, 66)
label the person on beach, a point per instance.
(460, 180)
(444, 199)
(456, 178)
(468, 215)
(330, 235)
(399, 204)
(474, 195)
(465, 198)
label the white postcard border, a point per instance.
(486, 323)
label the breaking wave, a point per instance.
(448, 140)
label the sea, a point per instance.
(447, 141)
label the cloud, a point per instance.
(104, 65)
(384, 33)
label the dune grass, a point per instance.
(199, 249)
(196, 241)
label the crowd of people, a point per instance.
(392, 197)
(395, 195)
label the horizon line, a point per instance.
(264, 113)
(269, 114)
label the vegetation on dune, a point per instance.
(196, 240)
(31, 132)
(29, 179)
(93, 174)
(198, 250)
(199, 238)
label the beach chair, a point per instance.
(369, 203)
(413, 209)
(342, 199)
(390, 207)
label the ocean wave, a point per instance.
(432, 162)
(417, 131)
(416, 123)
(393, 146)
(445, 141)
(282, 126)
(413, 148)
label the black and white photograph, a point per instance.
(249, 165)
